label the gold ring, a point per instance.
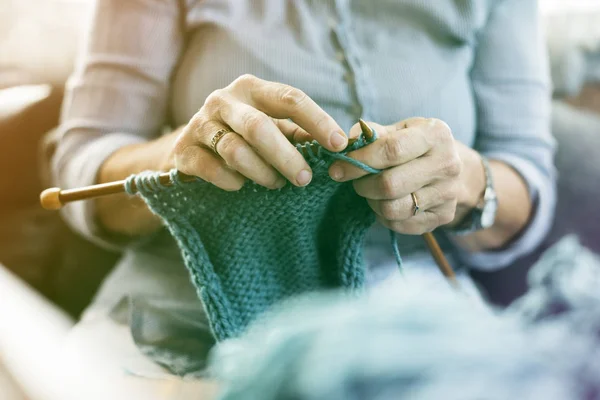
(214, 141)
(416, 207)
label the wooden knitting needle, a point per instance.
(430, 240)
(56, 198)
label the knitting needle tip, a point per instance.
(366, 129)
(50, 199)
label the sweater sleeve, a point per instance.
(511, 85)
(116, 96)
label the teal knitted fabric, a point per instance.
(250, 249)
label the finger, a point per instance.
(194, 160)
(284, 101)
(428, 197)
(240, 156)
(424, 222)
(395, 146)
(399, 181)
(262, 134)
(237, 154)
(292, 131)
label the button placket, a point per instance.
(349, 59)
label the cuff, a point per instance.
(542, 193)
(77, 166)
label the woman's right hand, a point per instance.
(264, 118)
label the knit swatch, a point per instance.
(250, 249)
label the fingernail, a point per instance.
(337, 173)
(338, 140)
(303, 178)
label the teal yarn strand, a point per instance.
(251, 249)
(322, 153)
(396, 250)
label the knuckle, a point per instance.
(254, 123)
(392, 149)
(438, 132)
(442, 131)
(232, 152)
(388, 185)
(292, 98)
(246, 80)
(214, 100)
(443, 126)
(452, 166)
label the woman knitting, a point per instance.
(458, 92)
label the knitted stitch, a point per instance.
(249, 249)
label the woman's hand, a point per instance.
(418, 156)
(259, 148)
(259, 114)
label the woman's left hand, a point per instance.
(417, 156)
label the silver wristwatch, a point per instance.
(484, 213)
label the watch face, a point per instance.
(488, 214)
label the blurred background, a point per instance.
(48, 274)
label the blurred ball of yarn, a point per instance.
(409, 343)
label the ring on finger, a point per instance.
(214, 141)
(416, 207)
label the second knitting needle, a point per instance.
(430, 240)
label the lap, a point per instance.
(104, 363)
